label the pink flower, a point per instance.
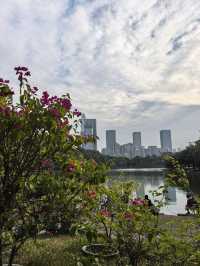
(7, 81)
(45, 98)
(52, 100)
(17, 68)
(5, 110)
(20, 112)
(77, 113)
(1, 80)
(24, 69)
(138, 201)
(128, 216)
(33, 90)
(71, 167)
(92, 194)
(55, 112)
(65, 103)
(28, 73)
(46, 163)
(63, 124)
(105, 213)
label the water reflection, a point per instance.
(151, 180)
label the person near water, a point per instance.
(150, 205)
(191, 204)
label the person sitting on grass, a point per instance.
(150, 205)
(191, 204)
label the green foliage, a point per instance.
(176, 175)
(190, 157)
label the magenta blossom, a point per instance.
(71, 167)
(28, 73)
(137, 201)
(128, 216)
(53, 99)
(105, 213)
(77, 113)
(34, 90)
(66, 103)
(55, 112)
(46, 163)
(17, 68)
(5, 94)
(4, 81)
(62, 124)
(24, 69)
(45, 98)
(5, 111)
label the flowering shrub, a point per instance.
(41, 175)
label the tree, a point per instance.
(38, 169)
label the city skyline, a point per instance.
(101, 142)
(130, 64)
(135, 148)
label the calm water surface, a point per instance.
(151, 179)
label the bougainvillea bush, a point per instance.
(41, 173)
(112, 217)
(140, 236)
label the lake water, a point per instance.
(149, 179)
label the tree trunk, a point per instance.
(12, 255)
(1, 251)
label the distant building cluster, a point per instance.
(129, 150)
(134, 149)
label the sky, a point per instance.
(133, 65)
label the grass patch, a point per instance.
(57, 251)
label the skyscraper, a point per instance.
(166, 140)
(110, 141)
(137, 139)
(137, 144)
(89, 128)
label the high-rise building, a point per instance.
(137, 142)
(166, 140)
(152, 151)
(110, 142)
(89, 128)
(127, 150)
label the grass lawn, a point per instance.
(62, 250)
(56, 251)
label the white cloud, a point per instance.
(115, 57)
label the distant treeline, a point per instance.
(190, 157)
(123, 162)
